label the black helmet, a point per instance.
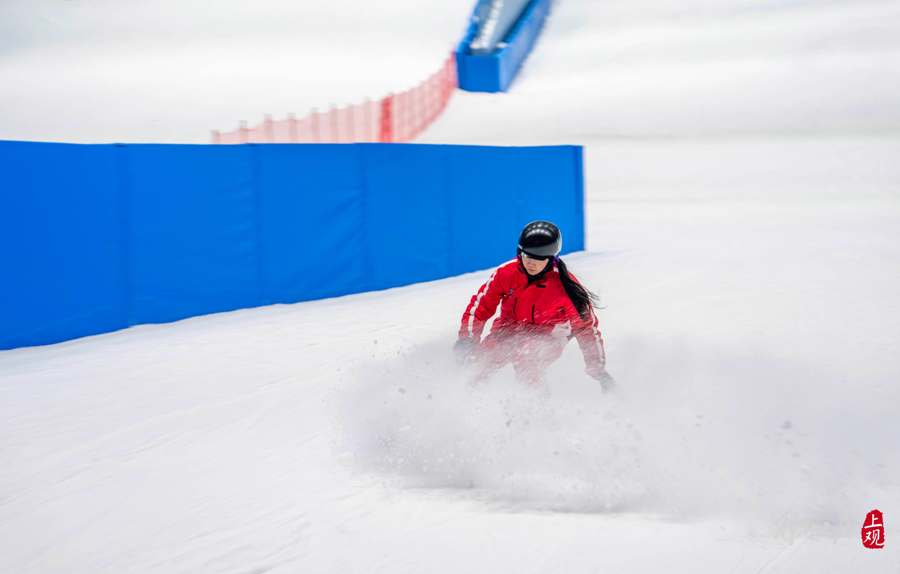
(540, 239)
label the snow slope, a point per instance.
(747, 259)
(652, 68)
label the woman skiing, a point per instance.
(542, 306)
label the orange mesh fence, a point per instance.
(395, 118)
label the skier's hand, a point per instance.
(464, 350)
(599, 374)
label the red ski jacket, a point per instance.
(539, 306)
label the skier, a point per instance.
(542, 306)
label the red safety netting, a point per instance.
(395, 118)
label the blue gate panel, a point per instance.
(547, 186)
(60, 243)
(94, 238)
(193, 236)
(311, 221)
(486, 225)
(529, 183)
(408, 235)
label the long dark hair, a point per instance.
(582, 298)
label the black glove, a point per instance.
(464, 350)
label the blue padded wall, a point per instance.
(99, 237)
(407, 191)
(62, 272)
(192, 242)
(310, 223)
(495, 71)
(495, 19)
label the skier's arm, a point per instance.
(481, 307)
(587, 332)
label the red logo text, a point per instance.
(873, 530)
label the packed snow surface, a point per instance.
(743, 197)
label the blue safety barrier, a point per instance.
(493, 70)
(95, 238)
(495, 19)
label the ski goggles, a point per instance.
(540, 252)
(535, 257)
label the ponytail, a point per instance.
(581, 297)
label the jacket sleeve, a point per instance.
(482, 307)
(587, 332)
